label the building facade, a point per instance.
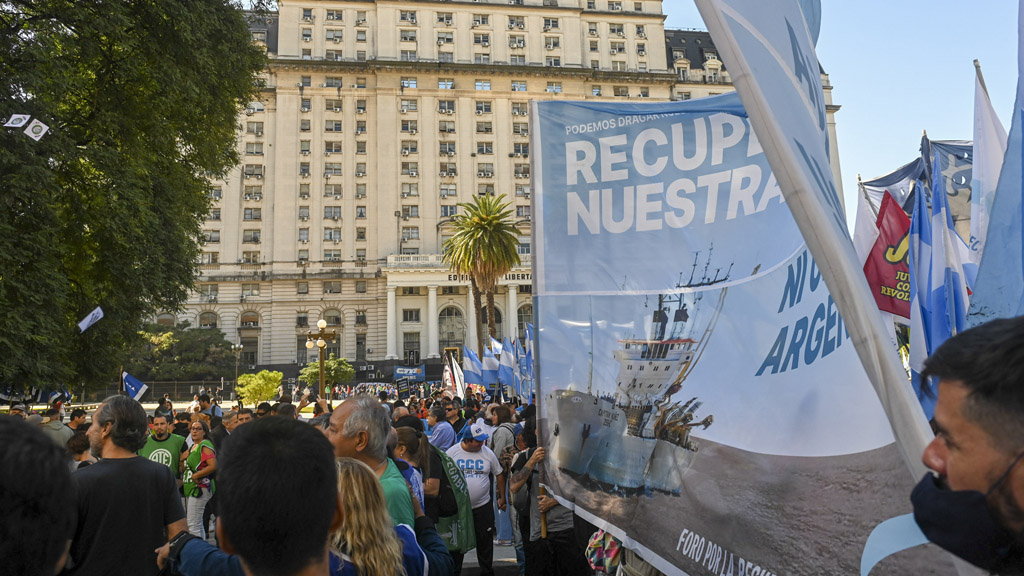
(375, 120)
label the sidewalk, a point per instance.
(504, 563)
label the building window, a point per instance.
(253, 214)
(303, 235)
(451, 327)
(360, 287)
(250, 236)
(519, 85)
(554, 87)
(333, 317)
(446, 57)
(304, 125)
(209, 258)
(211, 236)
(410, 211)
(485, 148)
(360, 211)
(208, 320)
(250, 290)
(332, 287)
(410, 233)
(410, 291)
(445, 18)
(551, 23)
(408, 56)
(410, 189)
(411, 347)
(483, 84)
(408, 35)
(214, 214)
(302, 287)
(449, 211)
(411, 315)
(360, 234)
(448, 191)
(208, 292)
(484, 128)
(407, 82)
(482, 59)
(523, 212)
(525, 315)
(446, 83)
(553, 61)
(254, 148)
(251, 257)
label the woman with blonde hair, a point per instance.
(367, 540)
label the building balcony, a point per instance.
(416, 261)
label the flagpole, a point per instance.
(120, 380)
(981, 78)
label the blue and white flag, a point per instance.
(999, 290)
(495, 346)
(490, 368)
(529, 351)
(135, 387)
(938, 289)
(507, 365)
(471, 367)
(91, 319)
(945, 181)
(522, 377)
(989, 151)
(768, 48)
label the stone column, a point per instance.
(432, 344)
(392, 326)
(512, 312)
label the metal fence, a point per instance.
(178, 391)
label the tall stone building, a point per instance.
(376, 120)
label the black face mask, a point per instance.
(960, 522)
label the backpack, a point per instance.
(456, 530)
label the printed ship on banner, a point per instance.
(699, 394)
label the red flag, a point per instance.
(887, 267)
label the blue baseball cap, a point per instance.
(475, 432)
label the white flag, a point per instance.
(36, 130)
(865, 232)
(17, 121)
(769, 50)
(91, 319)
(989, 150)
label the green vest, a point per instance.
(192, 466)
(166, 452)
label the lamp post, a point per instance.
(320, 340)
(237, 349)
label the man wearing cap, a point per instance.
(479, 464)
(18, 410)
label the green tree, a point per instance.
(182, 354)
(336, 371)
(259, 387)
(142, 100)
(484, 246)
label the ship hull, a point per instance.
(624, 461)
(577, 416)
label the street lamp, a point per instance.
(320, 340)
(237, 349)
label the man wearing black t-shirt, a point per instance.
(128, 506)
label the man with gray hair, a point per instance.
(227, 425)
(359, 429)
(128, 506)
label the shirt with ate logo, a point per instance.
(478, 467)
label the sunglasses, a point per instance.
(261, 414)
(450, 409)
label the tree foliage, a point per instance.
(259, 387)
(484, 246)
(142, 101)
(336, 371)
(181, 354)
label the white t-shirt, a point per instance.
(477, 467)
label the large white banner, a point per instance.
(700, 394)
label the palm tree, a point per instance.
(485, 248)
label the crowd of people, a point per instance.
(385, 486)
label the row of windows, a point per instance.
(408, 189)
(409, 17)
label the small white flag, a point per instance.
(17, 121)
(91, 319)
(36, 129)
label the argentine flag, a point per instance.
(490, 368)
(938, 289)
(507, 367)
(471, 369)
(133, 386)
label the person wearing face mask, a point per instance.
(973, 506)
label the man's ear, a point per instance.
(222, 538)
(363, 439)
(339, 516)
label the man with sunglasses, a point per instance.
(453, 413)
(974, 505)
(263, 409)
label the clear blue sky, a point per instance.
(902, 66)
